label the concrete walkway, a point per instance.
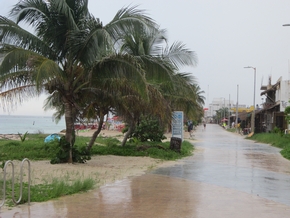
(228, 176)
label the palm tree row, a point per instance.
(89, 69)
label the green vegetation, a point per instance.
(23, 137)
(46, 191)
(158, 150)
(276, 139)
(34, 148)
(61, 150)
(149, 129)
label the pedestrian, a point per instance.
(189, 126)
(204, 125)
(190, 129)
(233, 124)
(224, 125)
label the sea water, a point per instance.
(11, 124)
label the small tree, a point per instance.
(149, 129)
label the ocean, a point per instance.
(11, 124)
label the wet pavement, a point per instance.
(228, 176)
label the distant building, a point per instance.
(276, 100)
(219, 103)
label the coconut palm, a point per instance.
(68, 47)
(160, 63)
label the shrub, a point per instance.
(278, 131)
(79, 154)
(149, 129)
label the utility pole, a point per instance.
(237, 108)
(229, 119)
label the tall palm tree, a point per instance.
(68, 47)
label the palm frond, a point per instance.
(11, 98)
(33, 12)
(121, 67)
(13, 35)
(17, 59)
(89, 44)
(180, 56)
(157, 70)
(15, 79)
(14, 58)
(128, 18)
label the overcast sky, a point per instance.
(227, 35)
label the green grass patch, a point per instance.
(275, 139)
(46, 191)
(158, 150)
(34, 148)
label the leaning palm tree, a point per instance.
(68, 47)
(145, 45)
(160, 64)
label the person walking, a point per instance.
(190, 129)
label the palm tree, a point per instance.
(160, 65)
(68, 47)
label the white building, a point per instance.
(219, 103)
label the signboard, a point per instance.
(177, 124)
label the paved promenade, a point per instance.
(227, 177)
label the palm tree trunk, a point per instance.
(70, 128)
(96, 133)
(128, 133)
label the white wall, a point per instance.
(283, 94)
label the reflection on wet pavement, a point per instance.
(227, 176)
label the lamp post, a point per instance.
(253, 114)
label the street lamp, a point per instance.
(253, 114)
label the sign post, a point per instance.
(177, 124)
(177, 131)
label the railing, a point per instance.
(21, 178)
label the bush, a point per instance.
(277, 131)
(149, 129)
(79, 154)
